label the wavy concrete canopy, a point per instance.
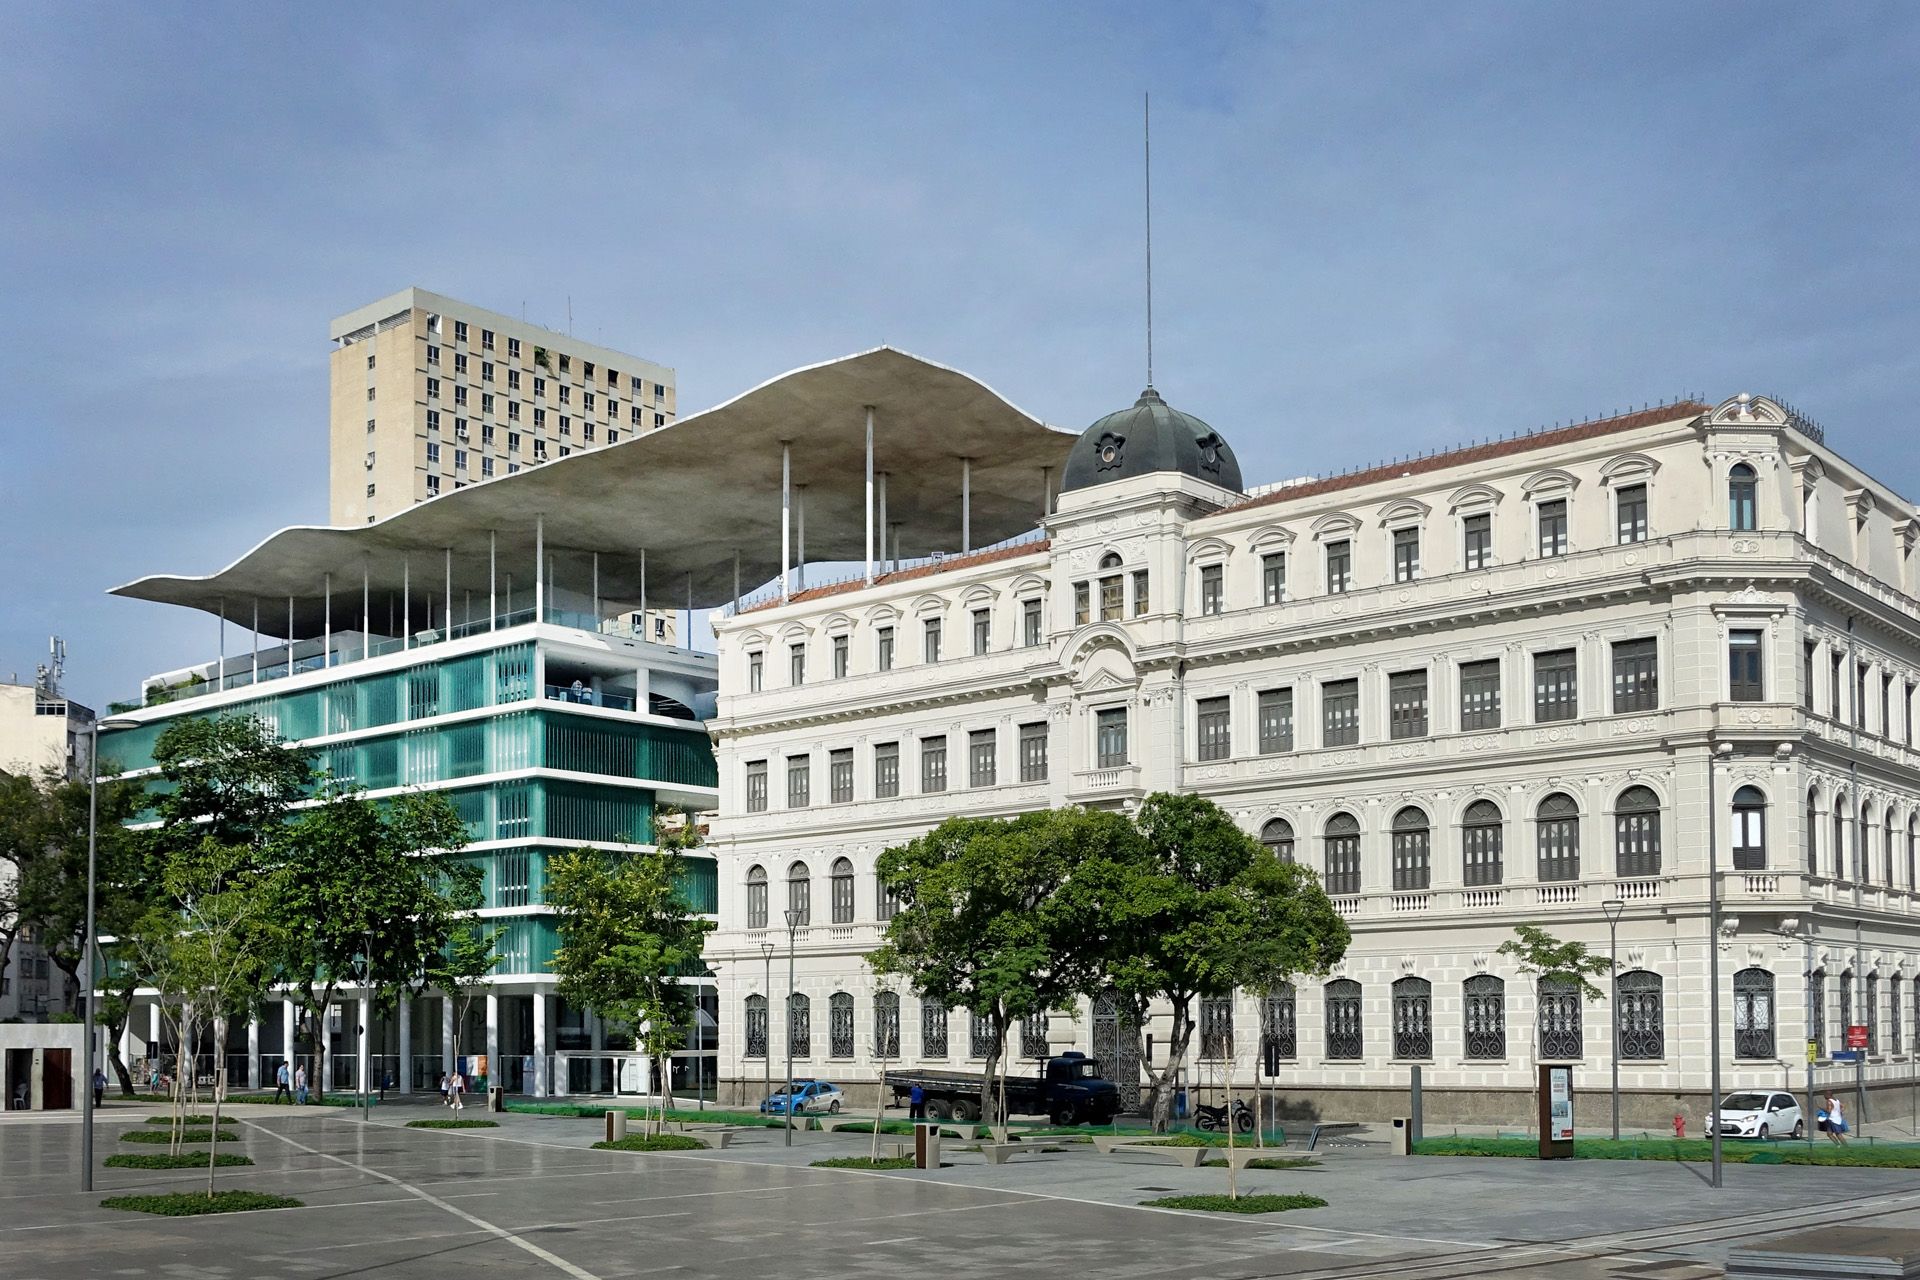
(690, 495)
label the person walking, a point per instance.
(1836, 1121)
(99, 1087)
(456, 1085)
(916, 1103)
(282, 1084)
(300, 1084)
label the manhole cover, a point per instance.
(1153, 1188)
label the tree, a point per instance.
(628, 939)
(984, 923)
(23, 839)
(1544, 956)
(1197, 908)
(471, 956)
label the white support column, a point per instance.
(786, 516)
(596, 591)
(446, 1036)
(686, 639)
(286, 1034)
(153, 1029)
(253, 1053)
(446, 624)
(406, 602)
(800, 561)
(540, 1049)
(644, 633)
(366, 606)
(222, 669)
(364, 1064)
(493, 1039)
(540, 568)
(883, 522)
(869, 497)
(493, 589)
(403, 1074)
(256, 639)
(289, 635)
(966, 505)
(326, 641)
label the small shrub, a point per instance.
(661, 1142)
(1245, 1204)
(866, 1162)
(186, 1204)
(162, 1136)
(1185, 1140)
(192, 1120)
(1270, 1162)
(167, 1160)
(453, 1124)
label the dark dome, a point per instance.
(1150, 437)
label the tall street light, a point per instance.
(1613, 907)
(88, 949)
(793, 923)
(766, 1050)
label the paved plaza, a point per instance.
(531, 1199)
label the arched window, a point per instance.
(1344, 1039)
(979, 1036)
(1413, 1018)
(1844, 990)
(1893, 1013)
(1278, 1041)
(1839, 843)
(1486, 1008)
(1277, 835)
(1559, 1019)
(799, 1025)
(1890, 834)
(756, 897)
(886, 1024)
(886, 897)
(1636, 833)
(1033, 1037)
(1111, 560)
(1483, 844)
(799, 895)
(1913, 855)
(933, 1027)
(1753, 1014)
(840, 889)
(1817, 1016)
(1870, 1013)
(1216, 1028)
(756, 1022)
(1749, 829)
(1412, 851)
(1642, 1016)
(1742, 488)
(1343, 854)
(1557, 837)
(839, 1025)
(1862, 850)
(1812, 834)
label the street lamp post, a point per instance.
(87, 951)
(1613, 907)
(793, 923)
(766, 1049)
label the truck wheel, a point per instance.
(966, 1110)
(937, 1109)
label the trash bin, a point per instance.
(616, 1125)
(496, 1099)
(1400, 1143)
(1179, 1104)
(926, 1146)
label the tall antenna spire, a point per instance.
(1148, 131)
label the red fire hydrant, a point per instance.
(1679, 1125)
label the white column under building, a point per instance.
(541, 1061)
(446, 1035)
(403, 1074)
(286, 1032)
(493, 1039)
(364, 1064)
(253, 1053)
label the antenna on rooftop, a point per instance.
(1147, 131)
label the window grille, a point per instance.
(1753, 1013)
(933, 1028)
(799, 1026)
(1344, 1032)
(1486, 1017)
(1216, 1028)
(756, 1026)
(1559, 1019)
(886, 1024)
(1412, 1018)
(1642, 1016)
(840, 1025)
(1278, 1038)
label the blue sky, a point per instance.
(1379, 229)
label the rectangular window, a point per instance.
(1406, 555)
(486, 371)
(840, 776)
(459, 365)
(1110, 607)
(1033, 752)
(1081, 604)
(486, 339)
(433, 454)
(433, 486)
(486, 433)
(930, 640)
(886, 770)
(982, 762)
(1555, 686)
(486, 402)
(1339, 713)
(1480, 694)
(539, 448)
(756, 671)
(756, 786)
(486, 467)
(1215, 729)
(799, 781)
(539, 386)
(1806, 674)
(1478, 532)
(433, 388)
(1110, 737)
(1407, 704)
(433, 419)
(982, 630)
(459, 330)
(1636, 676)
(1553, 527)
(1273, 577)
(513, 348)
(1212, 588)
(1339, 567)
(840, 657)
(1276, 721)
(1630, 513)
(796, 665)
(459, 459)
(933, 764)
(1745, 682)
(433, 355)
(883, 649)
(1030, 622)
(1139, 592)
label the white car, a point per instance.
(1759, 1115)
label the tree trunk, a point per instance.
(1164, 1082)
(219, 1083)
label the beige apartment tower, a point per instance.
(430, 395)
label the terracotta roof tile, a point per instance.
(946, 565)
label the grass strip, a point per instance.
(163, 1136)
(453, 1124)
(192, 1120)
(865, 1162)
(187, 1204)
(1268, 1162)
(655, 1142)
(168, 1160)
(1245, 1204)
(1687, 1150)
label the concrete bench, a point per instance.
(1001, 1152)
(829, 1123)
(1186, 1157)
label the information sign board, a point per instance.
(1856, 1037)
(1556, 1112)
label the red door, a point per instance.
(56, 1079)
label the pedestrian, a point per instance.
(282, 1084)
(445, 1096)
(99, 1087)
(916, 1103)
(1836, 1122)
(456, 1085)
(300, 1084)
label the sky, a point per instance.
(1379, 229)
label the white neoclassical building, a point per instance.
(1529, 681)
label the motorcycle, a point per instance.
(1214, 1119)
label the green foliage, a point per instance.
(231, 780)
(865, 1162)
(192, 1120)
(1689, 1151)
(64, 1019)
(157, 1136)
(1269, 1162)
(182, 1160)
(652, 1142)
(1543, 955)
(1244, 1204)
(453, 1124)
(186, 1204)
